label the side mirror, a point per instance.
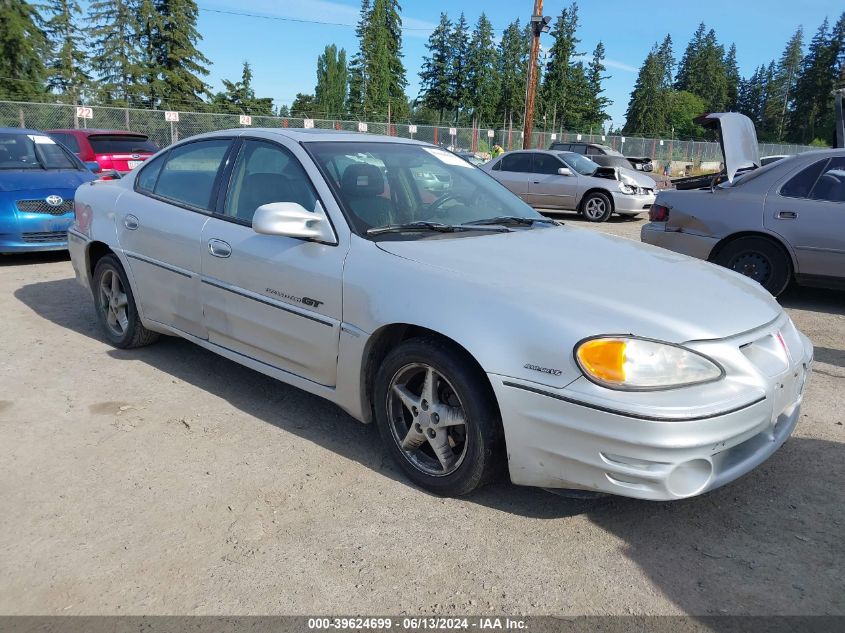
(94, 166)
(564, 171)
(291, 219)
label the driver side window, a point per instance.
(265, 173)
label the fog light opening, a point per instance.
(688, 478)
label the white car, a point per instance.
(445, 318)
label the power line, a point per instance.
(298, 20)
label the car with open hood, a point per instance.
(778, 223)
(38, 179)
(569, 181)
(445, 320)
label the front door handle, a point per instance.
(786, 215)
(219, 248)
(130, 222)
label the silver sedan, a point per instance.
(566, 180)
(444, 317)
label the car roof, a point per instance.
(95, 132)
(19, 130)
(306, 135)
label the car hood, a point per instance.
(600, 283)
(26, 179)
(737, 137)
(638, 177)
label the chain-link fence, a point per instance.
(155, 123)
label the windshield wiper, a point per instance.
(426, 226)
(504, 220)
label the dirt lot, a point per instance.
(169, 480)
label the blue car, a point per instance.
(38, 179)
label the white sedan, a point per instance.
(445, 317)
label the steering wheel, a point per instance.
(434, 207)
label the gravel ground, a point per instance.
(167, 480)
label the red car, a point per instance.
(112, 149)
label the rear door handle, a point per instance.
(130, 222)
(219, 248)
(786, 215)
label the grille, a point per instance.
(41, 206)
(48, 236)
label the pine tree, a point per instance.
(648, 110)
(557, 93)
(751, 100)
(667, 60)
(114, 52)
(513, 75)
(812, 114)
(22, 49)
(782, 87)
(732, 79)
(149, 86)
(239, 96)
(459, 62)
(435, 89)
(332, 79)
(482, 72)
(398, 80)
(66, 72)
(180, 63)
(358, 63)
(707, 77)
(596, 104)
(686, 68)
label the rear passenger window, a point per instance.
(800, 185)
(266, 173)
(189, 172)
(517, 162)
(830, 185)
(68, 140)
(149, 174)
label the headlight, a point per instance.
(635, 364)
(626, 188)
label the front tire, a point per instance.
(596, 207)
(437, 417)
(115, 306)
(759, 258)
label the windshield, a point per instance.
(33, 151)
(579, 163)
(121, 144)
(383, 184)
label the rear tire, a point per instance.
(115, 306)
(596, 207)
(437, 417)
(760, 259)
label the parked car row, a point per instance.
(39, 174)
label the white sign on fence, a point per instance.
(490, 134)
(453, 131)
(622, 138)
(172, 117)
(661, 142)
(602, 137)
(84, 112)
(308, 123)
(554, 136)
(412, 129)
(245, 119)
(578, 138)
(362, 127)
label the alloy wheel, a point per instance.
(594, 208)
(113, 302)
(427, 419)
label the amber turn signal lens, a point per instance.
(604, 359)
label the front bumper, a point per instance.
(558, 438)
(698, 246)
(632, 204)
(24, 232)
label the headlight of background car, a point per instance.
(626, 188)
(635, 364)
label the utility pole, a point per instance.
(539, 24)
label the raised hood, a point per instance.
(624, 286)
(737, 137)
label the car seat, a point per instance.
(363, 185)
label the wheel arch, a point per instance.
(95, 252)
(592, 190)
(386, 338)
(774, 239)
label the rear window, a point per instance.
(121, 144)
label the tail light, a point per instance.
(658, 213)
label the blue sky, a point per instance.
(284, 54)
